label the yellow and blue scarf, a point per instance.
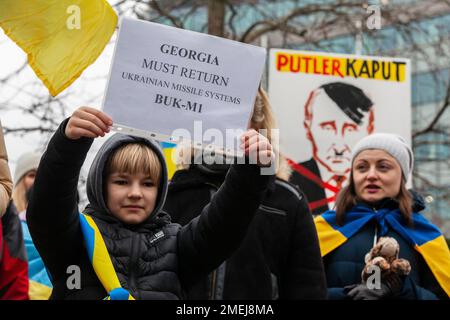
(424, 237)
(101, 261)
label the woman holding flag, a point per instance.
(376, 203)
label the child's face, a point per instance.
(131, 197)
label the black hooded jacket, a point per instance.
(280, 255)
(155, 259)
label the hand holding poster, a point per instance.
(325, 103)
(174, 83)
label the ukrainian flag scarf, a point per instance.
(424, 237)
(101, 261)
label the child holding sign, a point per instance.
(131, 250)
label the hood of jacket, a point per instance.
(97, 177)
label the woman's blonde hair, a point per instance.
(19, 195)
(347, 198)
(135, 158)
(262, 120)
(262, 116)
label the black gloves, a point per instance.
(389, 288)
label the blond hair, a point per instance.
(262, 117)
(262, 120)
(19, 195)
(134, 158)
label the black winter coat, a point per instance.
(280, 255)
(148, 266)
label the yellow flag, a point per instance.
(169, 149)
(60, 37)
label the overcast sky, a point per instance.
(19, 92)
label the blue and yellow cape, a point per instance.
(422, 236)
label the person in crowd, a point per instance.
(24, 175)
(13, 263)
(280, 256)
(40, 286)
(131, 250)
(376, 203)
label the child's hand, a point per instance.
(257, 148)
(88, 122)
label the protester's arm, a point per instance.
(212, 236)
(52, 213)
(5, 176)
(304, 275)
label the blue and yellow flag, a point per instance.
(169, 149)
(40, 287)
(423, 236)
(101, 261)
(60, 37)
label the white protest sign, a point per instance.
(164, 79)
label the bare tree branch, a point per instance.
(23, 130)
(173, 19)
(437, 117)
(14, 73)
